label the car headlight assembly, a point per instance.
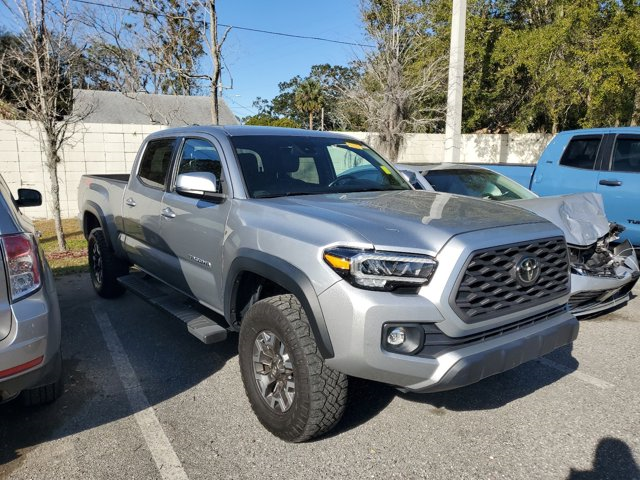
(375, 270)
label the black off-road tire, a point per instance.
(104, 266)
(320, 392)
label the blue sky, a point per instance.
(258, 61)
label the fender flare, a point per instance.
(287, 276)
(96, 211)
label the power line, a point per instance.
(257, 30)
(250, 110)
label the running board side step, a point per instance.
(174, 303)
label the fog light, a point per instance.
(397, 336)
(404, 338)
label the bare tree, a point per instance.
(169, 43)
(389, 100)
(39, 70)
(164, 55)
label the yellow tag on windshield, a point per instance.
(353, 145)
(385, 169)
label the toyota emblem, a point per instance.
(527, 271)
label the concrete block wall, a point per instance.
(93, 148)
(111, 148)
(476, 148)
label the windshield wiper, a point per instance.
(374, 189)
(286, 194)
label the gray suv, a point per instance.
(30, 360)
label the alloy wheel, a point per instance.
(273, 371)
(96, 261)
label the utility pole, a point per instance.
(453, 129)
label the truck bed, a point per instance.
(104, 192)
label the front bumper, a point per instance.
(491, 360)
(593, 294)
(357, 318)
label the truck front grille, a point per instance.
(490, 287)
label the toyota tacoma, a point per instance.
(324, 274)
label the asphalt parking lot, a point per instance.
(144, 399)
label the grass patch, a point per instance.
(64, 263)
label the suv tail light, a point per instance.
(23, 265)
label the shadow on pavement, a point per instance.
(499, 390)
(166, 360)
(367, 399)
(612, 460)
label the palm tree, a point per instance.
(308, 98)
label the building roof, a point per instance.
(147, 109)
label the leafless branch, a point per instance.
(38, 69)
(391, 102)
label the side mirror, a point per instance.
(199, 185)
(27, 197)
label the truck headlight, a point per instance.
(380, 270)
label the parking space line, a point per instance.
(575, 373)
(163, 454)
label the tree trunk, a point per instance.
(214, 103)
(395, 140)
(52, 168)
(216, 109)
(215, 60)
(310, 120)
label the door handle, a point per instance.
(611, 183)
(130, 201)
(168, 213)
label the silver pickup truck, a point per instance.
(325, 274)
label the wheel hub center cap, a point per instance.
(277, 367)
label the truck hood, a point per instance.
(409, 219)
(580, 216)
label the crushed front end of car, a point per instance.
(603, 271)
(602, 274)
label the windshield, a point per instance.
(477, 183)
(275, 166)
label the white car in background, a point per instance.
(603, 272)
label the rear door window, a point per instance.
(582, 153)
(156, 161)
(626, 155)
